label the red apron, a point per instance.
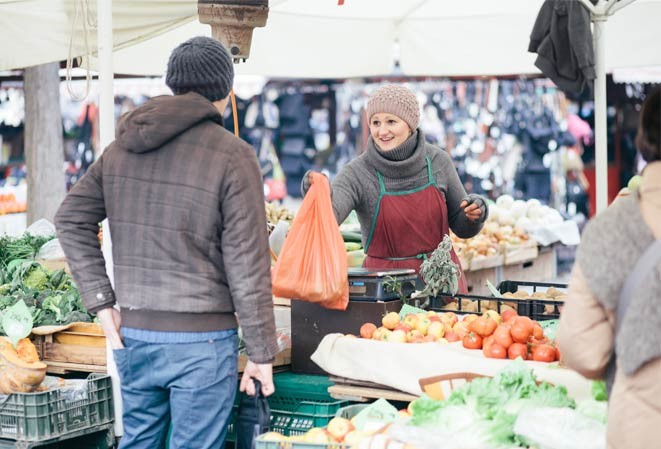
(408, 226)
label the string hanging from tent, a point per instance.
(87, 22)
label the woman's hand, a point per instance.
(473, 211)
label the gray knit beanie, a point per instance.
(201, 65)
(397, 100)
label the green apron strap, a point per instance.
(430, 173)
(382, 185)
(382, 192)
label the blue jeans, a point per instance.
(191, 385)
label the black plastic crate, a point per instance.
(534, 308)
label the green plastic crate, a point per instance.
(51, 414)
(300, 402)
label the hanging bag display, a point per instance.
(312, 265)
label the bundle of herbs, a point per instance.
(439, 272)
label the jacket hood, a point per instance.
(161, 119)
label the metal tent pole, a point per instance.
(599, 15)
(106, 136)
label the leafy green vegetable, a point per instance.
(599, 390)
(494, 402)
(37, 278)
(17, 322)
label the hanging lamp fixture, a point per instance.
(232, 22)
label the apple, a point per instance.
(338, 428)
(460, 329)
(397, 336)
(468, 319)
(442, 341)
(410, 408)
(452, 336)
(385, 334)
(423, 325)
(413, 335)
(411, 320)
(436, 330)
(402, 327)
(367, 330)
(390, 320)
(431, 313)
(493, 315)
(449, 317)
(435, 319)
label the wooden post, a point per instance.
(44, 146)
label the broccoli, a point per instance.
(37, 278)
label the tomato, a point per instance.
(537, 331)
(524, 321)
(502, 336)
(496, 351)
(520, 332)
(517, 350)
(472, 341)
(483, 326)
(486, 344)
(507, 314)
(543, 353)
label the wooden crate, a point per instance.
(81, 347)
(542, 268)
(515, 254)
(477, 280)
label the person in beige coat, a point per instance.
(588, 335)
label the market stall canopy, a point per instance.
(319, 38)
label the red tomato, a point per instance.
(543, 353)
(502, 336)
(537, 331)
(517, 350)
(524, 321)
(472, 341)
(483, 326)
(486, 344)
(496, 351)
(520, 332)
(507, 314)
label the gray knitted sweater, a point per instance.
(611, 245)
(356, 186)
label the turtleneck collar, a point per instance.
(402, 162)
(403, 151)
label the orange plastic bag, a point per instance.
(312, 265)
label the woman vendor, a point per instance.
(406, 192)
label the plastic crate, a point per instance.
(348, 412)
(536, 309)
(261, 444)
(51, 414)
(300, 402)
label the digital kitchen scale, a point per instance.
(381, 285)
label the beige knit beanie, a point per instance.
(397, 100)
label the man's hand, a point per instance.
(111, 321)
(473, 211)
(260, 371)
